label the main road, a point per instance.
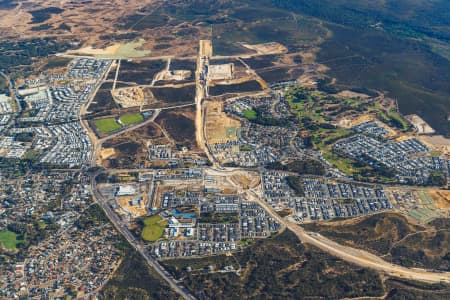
(201, 76)
(356, 256)
(112, 216)
(122, 228)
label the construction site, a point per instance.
(133, 96)
(421, 205)
(220, 129)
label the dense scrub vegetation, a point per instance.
(409, 18)
(399, 241)
(7, 4)
(179, 126)
(310, 166)
(249, 86)
(280, 268)
(401, 67)
(3, 86)
(174, 95)
(296, 184)
(401, 47)
(19, 55)
(135, 280)
(44, 14)
(140, 72)
(103, 100)
(401, 289)
(91, 217)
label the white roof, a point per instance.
(126, 190)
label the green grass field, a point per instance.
(8, 239)
(106, 125)
(344, 164)
(250, 114)
(154, 228)
(398, 119)
(129, 119)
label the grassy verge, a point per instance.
(345, 165)
(398, 120)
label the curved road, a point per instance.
(112, 216)
(122, 228)
(366, 259)
(356, 256)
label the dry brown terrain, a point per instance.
(421, 126)
(217, 123)
(135, 210)
(441, 198)
(133, 96)
(107, 152)
(267, 48)
(246, 180)
(178, 125)
(99, 25)
(130, 148)
(87, 21)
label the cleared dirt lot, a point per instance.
(86, 19)
(133, 96)
(218, 124)
(267, 48)
(441, 198)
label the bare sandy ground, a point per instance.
(91, 20)
(111, 50)
(438, 140)
(350, 94)
(266, 48)
(116, 51)
(441, 198)
(421, 126)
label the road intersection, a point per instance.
(355, 256)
